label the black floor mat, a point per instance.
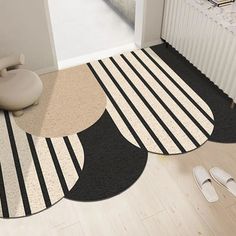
(225, 117)
(112, 164)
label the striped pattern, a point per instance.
(206, 38)
(35, 172)
(151, 105)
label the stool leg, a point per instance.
(36, 103)
(232, 105)
(18, 113)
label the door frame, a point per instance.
(148, 23)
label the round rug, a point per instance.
(35, 172)
(71, 102)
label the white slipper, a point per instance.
(203, 181)
(224, 179)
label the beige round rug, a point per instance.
(71, 102)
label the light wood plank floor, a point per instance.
(164, 201)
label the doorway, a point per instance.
(85, 30)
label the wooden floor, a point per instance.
(164, 201)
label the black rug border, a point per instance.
(181, 59)
(125, 140)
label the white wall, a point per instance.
(149, 14)
(24, 28)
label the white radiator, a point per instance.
(205, 42)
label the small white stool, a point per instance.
(19, 88)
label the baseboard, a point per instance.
(46, 70)
(153, 43)
(95, 56)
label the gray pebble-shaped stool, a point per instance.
(19, 88)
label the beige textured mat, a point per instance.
(71, 102)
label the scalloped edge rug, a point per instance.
(35, 172)
(151, 105)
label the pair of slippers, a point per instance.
(204, 182)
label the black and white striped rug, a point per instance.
(151, 105)
(147, 103)
(35, 172)
(219, 102)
